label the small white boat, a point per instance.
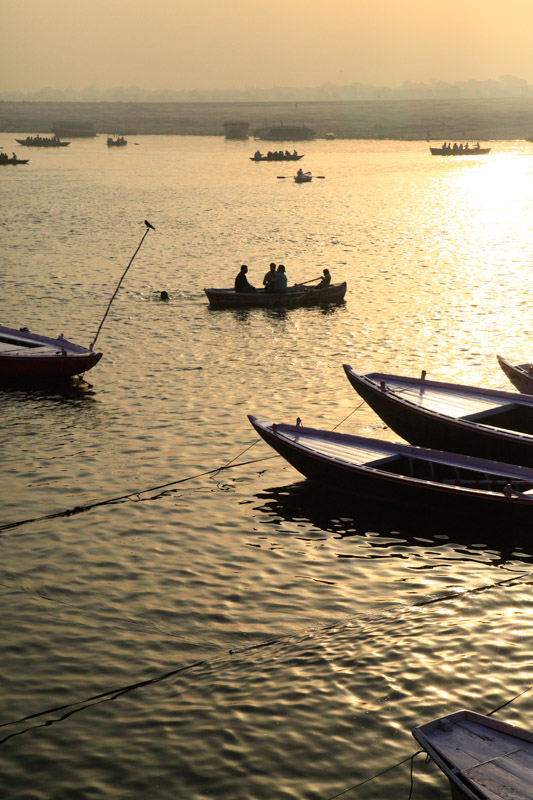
(520, 375)
(483, 758)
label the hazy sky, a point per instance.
(232, 44)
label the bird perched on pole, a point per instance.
(149, 225)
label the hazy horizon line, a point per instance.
(504, 86)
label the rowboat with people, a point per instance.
(303, 177)
(459, 150)
(369, 470)
(294, 297)
(487, 423)
(120, 141)
(4, 159)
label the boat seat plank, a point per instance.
(480, 415)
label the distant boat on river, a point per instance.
(120, 141)
(14, 160)
(276, 157)
(42, 141)
(459, 150)
(303, 177)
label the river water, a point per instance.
(259, 637)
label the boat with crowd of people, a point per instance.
(448, 149)
(42, 141)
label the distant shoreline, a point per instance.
(465, 120)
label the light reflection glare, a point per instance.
(497, 192)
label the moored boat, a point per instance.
(42, 141)
(295, 296)
(26, 356)
(448, 416)
(406, 477)
(483, 758)
(520, 375)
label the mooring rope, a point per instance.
(120, 498)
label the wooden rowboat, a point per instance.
(303, 177)
(403, 476)
(275, 157)
(470, 151)
(448, 416)
(42, 141)
(483, 758)
(295, 296)
(26, 356)
(520, 375)
(14, 161)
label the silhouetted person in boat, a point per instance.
(325, 280)
(164, 295)
(241, 281)
(270, 278)
(300, 172)
(280, 281)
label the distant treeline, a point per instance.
(505, 86)
(479, 119)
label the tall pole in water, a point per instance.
(148, 228)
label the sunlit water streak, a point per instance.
(436, 253)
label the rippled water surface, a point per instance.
(258, 637)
